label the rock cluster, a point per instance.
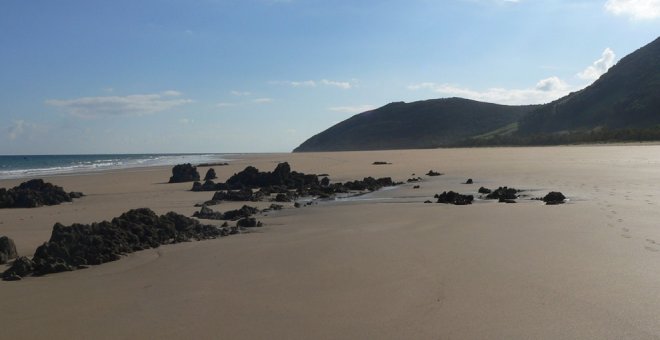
(7, 249)
(503, 194)
(78, 245)
(433, 173)
(184, 173)
(286, 184)
(35, 193)
(454, 198)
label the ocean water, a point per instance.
(39, 165)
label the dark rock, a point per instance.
(210, 174)
(21, 267)
(506, 200)
(248, 222)
(35, 193)
(76, 194)
(244, 195)
(433, 173)
(296, 205)
(469, 181)
(416, 187)
(244, 211)
(454, 198)
(380, 163)
(284, 197)
(184, 173)
(325, 181)
(483, 190)
(553, 198)
(428, 201)
(413, 180)
(503, 193)
(208, 214)
(7, 249)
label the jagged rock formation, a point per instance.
(78, 245)
(35, 193)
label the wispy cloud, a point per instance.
(137, 104)
(262, 100)
(16, 129)
(315, 83)
(225, 104)
(599, 67)
(634, 9)
(352, 109)
(545, 91)
(240, 93)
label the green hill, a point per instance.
(422, 124)
(623, 105)
(627, 96)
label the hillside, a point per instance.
(421, 124)
(627, 96)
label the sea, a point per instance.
(23, 166)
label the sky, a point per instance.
(172, 76)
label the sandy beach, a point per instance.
(378, 266)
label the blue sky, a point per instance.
(264, 75)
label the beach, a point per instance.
(383, 265)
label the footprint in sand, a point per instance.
(626, 236)
(651, 241)
(620, 220)
(655, 250)
(613, 212)
(625, 230)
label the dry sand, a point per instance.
(381, 266)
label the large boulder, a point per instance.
(184, 173)
(553, 198)
(7, 249)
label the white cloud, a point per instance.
(263, 100)
(546, 90)
(137, 104)
(340, 84)
(635, 9)
(240, 93)
(186, 121)
(352, 109)
(314, 83)
(223, 104)
(599, 67)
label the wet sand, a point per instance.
(383, 265)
